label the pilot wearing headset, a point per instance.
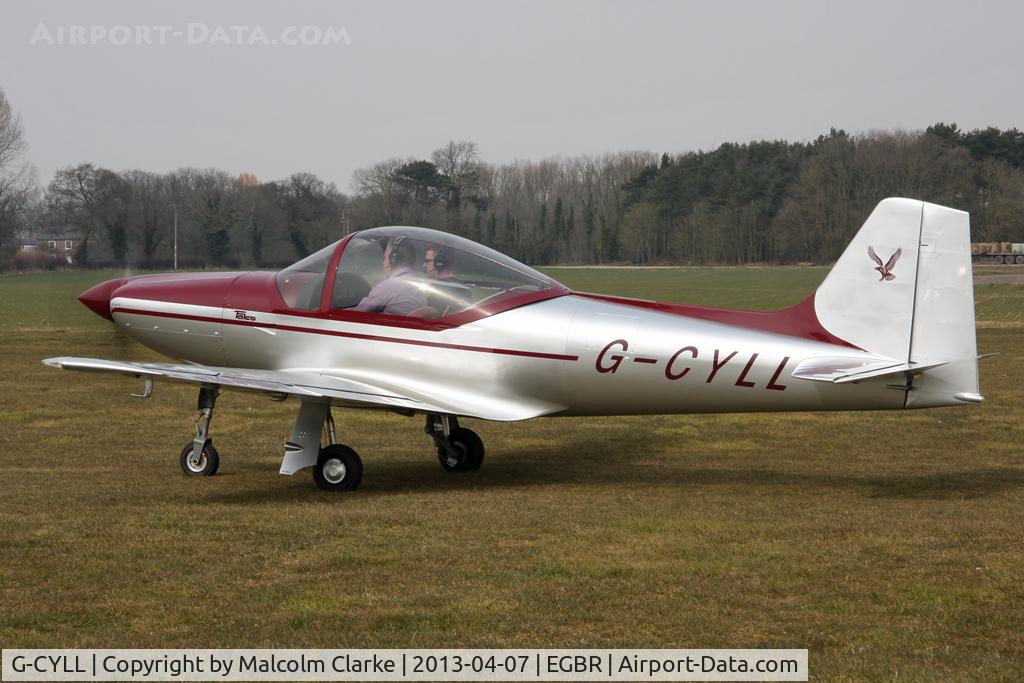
(398, 293)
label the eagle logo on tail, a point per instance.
(885, 269)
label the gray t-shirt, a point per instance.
(397, 295)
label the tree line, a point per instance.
(551, 211)
(757, 202)
(128, 218)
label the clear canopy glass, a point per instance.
(302, 284)
(410, 272)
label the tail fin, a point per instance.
(903, 289)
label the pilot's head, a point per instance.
(399, 253)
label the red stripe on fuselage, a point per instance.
(350, 335)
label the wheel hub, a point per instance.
(197, 463)
(334, 470)
(456, 455)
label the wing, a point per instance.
(893, 259)
(362, 392)
(874, 256)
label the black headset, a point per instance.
(407, 254)
(440, 259)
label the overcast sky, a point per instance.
(522, 79)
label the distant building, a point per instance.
(60, 244)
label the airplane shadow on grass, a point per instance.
(591, 462)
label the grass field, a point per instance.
(889, 544)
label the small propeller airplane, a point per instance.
(473, 333)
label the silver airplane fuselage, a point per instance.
(569, 355)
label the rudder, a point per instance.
(944, 328)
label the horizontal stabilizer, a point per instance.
(905, 369)
(830, 369)
(841, 370)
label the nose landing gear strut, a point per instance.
(199, 458)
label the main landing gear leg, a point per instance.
(199, 458)
(458, 449)
(336, 467)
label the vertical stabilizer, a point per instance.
(868, 297)
(903, 289)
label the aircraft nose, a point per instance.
(98, 298)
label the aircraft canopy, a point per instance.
(412, 272)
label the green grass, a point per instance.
(889, 544)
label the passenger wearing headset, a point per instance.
(437, 265)
(398, 293)
(450, 294)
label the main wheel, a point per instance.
(338, 468)
(206, 465)
(469, 451)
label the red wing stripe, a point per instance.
(350, 335)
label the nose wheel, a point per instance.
(458, 449)
(205, 464)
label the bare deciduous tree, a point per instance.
(17, 180)
(12, 139)
(312, 211)
(149, 218)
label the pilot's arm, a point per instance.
(394, 296)
(376, 301)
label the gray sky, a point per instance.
(522, 79)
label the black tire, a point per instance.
(1018, 259)
(998, 259)
(338, 468)
(209, 461)
(469, 451)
